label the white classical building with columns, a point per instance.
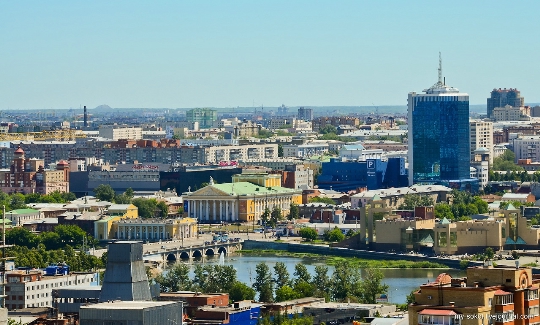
(240, 201)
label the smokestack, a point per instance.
(85, 117)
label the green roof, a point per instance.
(6, 221)
(246, 188)
(444, 221)
(22, 211)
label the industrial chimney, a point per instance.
(85, 117)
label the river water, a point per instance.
(400, 281)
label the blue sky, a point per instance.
(62, 54)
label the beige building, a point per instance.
(481, 136)
(120, 132)
(249, 152)
(508, 230)
(509, 113)
(155, 229)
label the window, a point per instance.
(533, 311)
(490, 302)
(532, 294)
(507, 316)
(504, 299)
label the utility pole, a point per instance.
(4, 256)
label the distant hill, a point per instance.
(103, 108)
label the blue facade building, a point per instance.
(439, 147)
(340, 175)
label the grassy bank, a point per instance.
(363, 263)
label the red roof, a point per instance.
(62, 162)
(437, 312)
(501, 292)
(19, 150)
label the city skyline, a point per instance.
(214, 54)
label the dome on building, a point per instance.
(481, 150)
(19, 151)
(62, 162)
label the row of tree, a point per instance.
(60, 237)
(19, 201)
(346, 282)
(461, 206)
(40, 257)
(148, 208)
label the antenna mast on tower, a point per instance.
(440, 70)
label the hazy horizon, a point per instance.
(244, 53)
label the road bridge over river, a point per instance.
(176, 252)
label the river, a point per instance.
(400, 281)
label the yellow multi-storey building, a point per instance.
(261, 179)
(105, 228)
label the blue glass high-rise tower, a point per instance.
(439, 147)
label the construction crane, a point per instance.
(62, 135)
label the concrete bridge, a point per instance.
(195, 251)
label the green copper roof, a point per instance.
(22, 211)
(444, 221)
(246, 188)
(510, 207)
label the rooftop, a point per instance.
(134, 305)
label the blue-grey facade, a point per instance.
(439, 147)
(372, 173)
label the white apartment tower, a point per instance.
(481, 136)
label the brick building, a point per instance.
(486, 295)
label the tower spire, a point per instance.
(440, 70)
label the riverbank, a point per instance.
(360, 262)
(350, 253)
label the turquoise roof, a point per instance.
(247, 188)
(510, 207)
(444, 221)
(520, 241)
(509, 241)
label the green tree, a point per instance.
(70, 235)
(334, 235)
(304, 289)
(506, 162)
(321, 281)
(240, 291)
(489, 253)
(122, 199)
(308, 234)
(294, 212)
(286, 293)
(147, 207)
(319, 199)
(301, 273)
(21, 237)
(263, 283)
(328, 129)
(282, 277)
(443, 210)
(163, 209)
(280, 150)
(410, 201)
(17, 201)
(265, 217)
(129, 193)
(346, 281)
(51, 240)
(275, 216)
(104, 192)
(177, 279)
(371, 285)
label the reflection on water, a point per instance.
(400, 281)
